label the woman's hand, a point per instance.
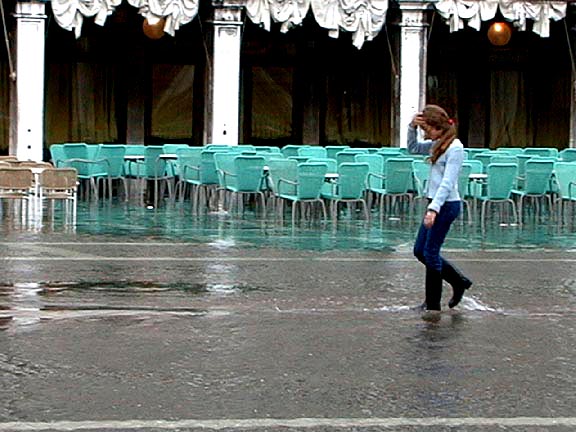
(418, 120)
(429, 218)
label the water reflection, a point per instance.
(129, 223)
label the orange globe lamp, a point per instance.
(154, 29)
(499, 33)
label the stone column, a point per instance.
(572, 143)
(411, 85)
(222, 116)
(28, 140)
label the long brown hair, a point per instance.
(438, 118)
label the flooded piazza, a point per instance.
(143, 319)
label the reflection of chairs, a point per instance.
(536, 183)
(59, 184)
(349, 187)
(499, 184)
(306, 189)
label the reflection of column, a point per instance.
(28, 142)
(224, 74)
(412, 80)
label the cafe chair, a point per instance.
(305, 189)
(498, 189)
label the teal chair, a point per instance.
(331, 164)
(247, 178)
(172, 165)
(513, 151)
(471, 152)
(313, 152)
(420, 174)
(82, 158)
(395, 150)
(565, 179)
(348, 156)
(464, 189)
(306, 189)
(332, 151)
(152, 169)
(189, 161)
(499, 184)
(280, 168)
(57, 154)
(505, 158)
(541, 151)
(113, 155)
(134, 152)
(567, 155)
(475, 187)
(375, 180)
(349, 187)
(207, 196)
(485, 158)
(291, 149)
(538, 175)
(398, 181)
(224, 163)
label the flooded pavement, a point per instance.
(150, 320)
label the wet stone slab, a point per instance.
(249, 320)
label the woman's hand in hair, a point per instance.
(418, 120)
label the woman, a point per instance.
(446, 154)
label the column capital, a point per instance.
(228, 11)
(31, 9)
(413, 12)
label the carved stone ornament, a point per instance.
(70, 14)
(473, 12)
(228, 14)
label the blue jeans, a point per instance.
(430, 240)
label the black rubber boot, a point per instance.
(459, 282)
(433, 289)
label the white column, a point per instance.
(28, 142)
(225, 74)
(572, 143)
(413, 52)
